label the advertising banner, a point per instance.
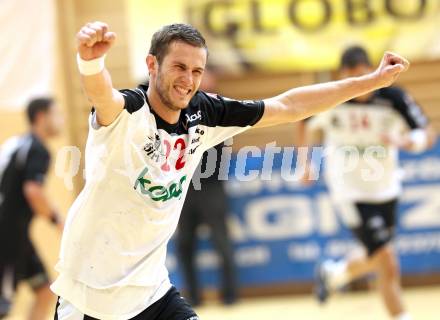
(280, 229)
(294, 35)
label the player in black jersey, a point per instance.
(24, 162)
(389, 119)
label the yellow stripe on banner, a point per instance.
(284, 35)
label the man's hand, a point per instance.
(94, 40)
(391, 66)
(309, 174)
(416, 140)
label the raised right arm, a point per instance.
(93, 42)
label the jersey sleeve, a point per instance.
(406, 106)
(37, 164)
(226, 117)
(134, 99)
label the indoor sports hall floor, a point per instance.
(423, 304)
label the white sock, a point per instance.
(337, 274)
(403, 316)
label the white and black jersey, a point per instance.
(112, 260)
(359, 166)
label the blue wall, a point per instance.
(280, 229)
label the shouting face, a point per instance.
(177, 77)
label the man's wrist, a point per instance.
(90, 67)
(372, 81)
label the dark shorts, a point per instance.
(170, 307)
(378, 221)
(29, 269)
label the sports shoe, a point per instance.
(321, 289)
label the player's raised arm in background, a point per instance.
(303, 102)
(94, 40)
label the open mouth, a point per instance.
(181, 91)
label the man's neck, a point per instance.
(40, 134)
(167, 114)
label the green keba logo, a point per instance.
(159, 193)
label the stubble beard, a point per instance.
(163, 94)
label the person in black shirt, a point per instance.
(24, 162)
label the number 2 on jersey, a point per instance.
(181, 146)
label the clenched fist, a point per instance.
(391, 66)
(94, 40)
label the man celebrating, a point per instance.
(143, 147)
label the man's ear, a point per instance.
(39, 117)
(152, 64)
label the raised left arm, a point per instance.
(303, 102)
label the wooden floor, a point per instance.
(421, 302)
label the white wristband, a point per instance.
(419, 140)
(90, 67)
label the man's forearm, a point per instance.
(100, 92)
(98, 87)
(93, 42)
(38, 201)
(309, 100)
(303, 102)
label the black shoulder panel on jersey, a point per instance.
(181, 127)
(134, 98)
(405, 105)
(219, 111)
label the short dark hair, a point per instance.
(354, 56)
(175, 32)
(36, 106)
